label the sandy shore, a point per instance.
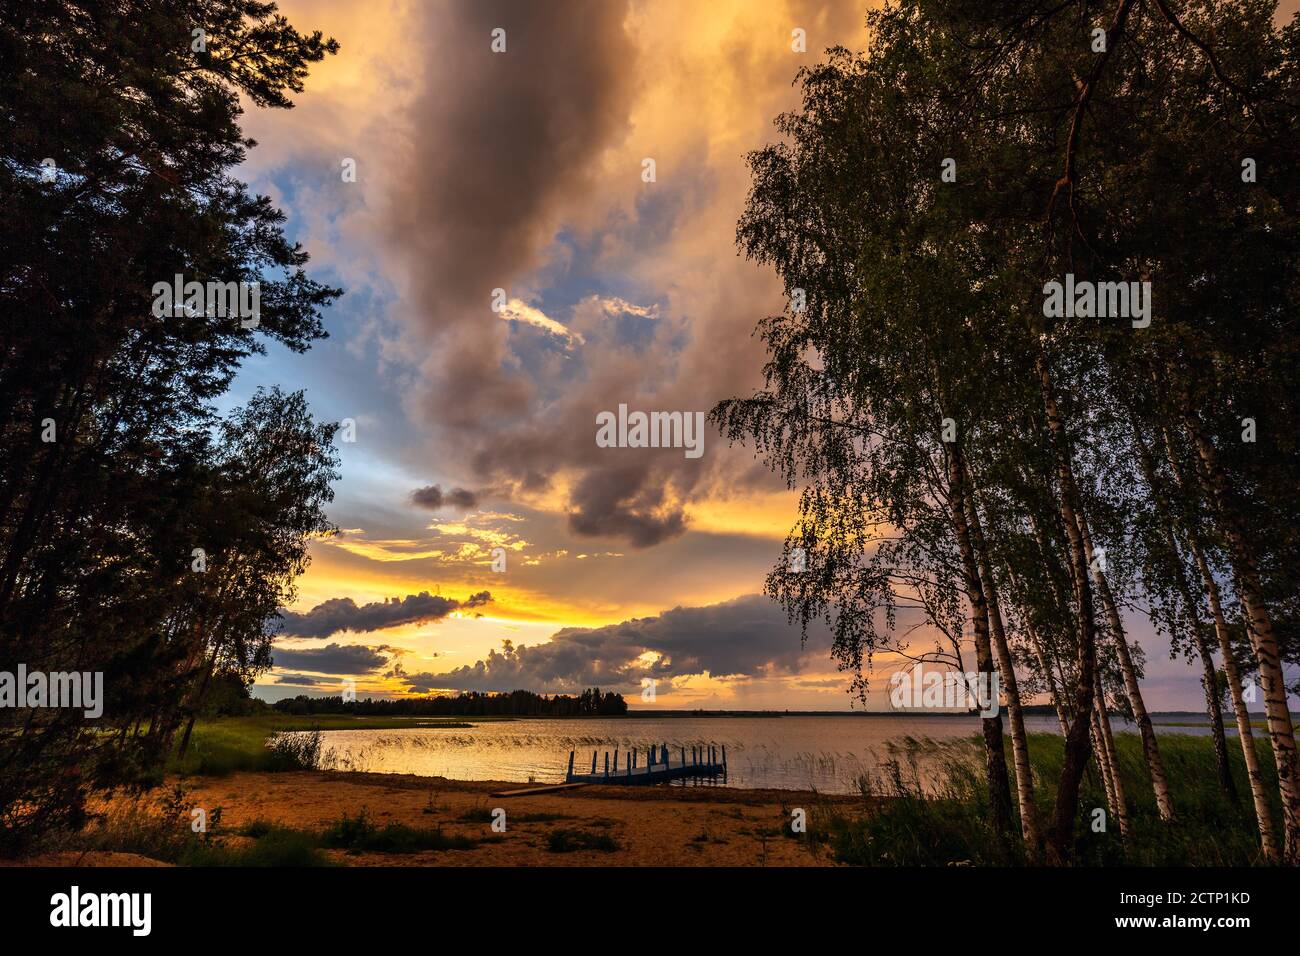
(653, 826)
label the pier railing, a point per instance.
(660, 763)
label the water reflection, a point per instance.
(828, 754)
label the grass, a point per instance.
(161, 829)
(294, 751)
(903, 822)
(568, 841)
(277, 846)
(705, 837)
(223, 745)
(359, 835)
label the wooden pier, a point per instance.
(659, 766)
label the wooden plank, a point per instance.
(527, 791)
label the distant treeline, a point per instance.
(517, 703)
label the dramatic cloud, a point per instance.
(525, 174)
(335, 658)
(343, 614)
(748, 637)
(522, 171)
(433, 498)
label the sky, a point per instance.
(487, 541)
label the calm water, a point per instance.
(797, 753)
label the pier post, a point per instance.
(606, 763)
(616, 760)
(683, 756)
(569, 776)
(593, 763)
(724, 756)
(632, 764)
(664, 754)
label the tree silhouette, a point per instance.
(121, 126)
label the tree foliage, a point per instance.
(920, 199)
(121, 128)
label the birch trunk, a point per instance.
(1047, 660)
(1031, 828)
(1077, 740)
(1254, 774)
(1208, 681)
(995, 760)
(1102, 756)
(1281, 732)
(1112, 758)
(1150, 747)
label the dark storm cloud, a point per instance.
(301, 680)
(344, 614)
(746, 636)
(624, 503)
(502, 141)
(334, 658)
(506, 151)
(433, 497)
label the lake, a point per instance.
(826, 753)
